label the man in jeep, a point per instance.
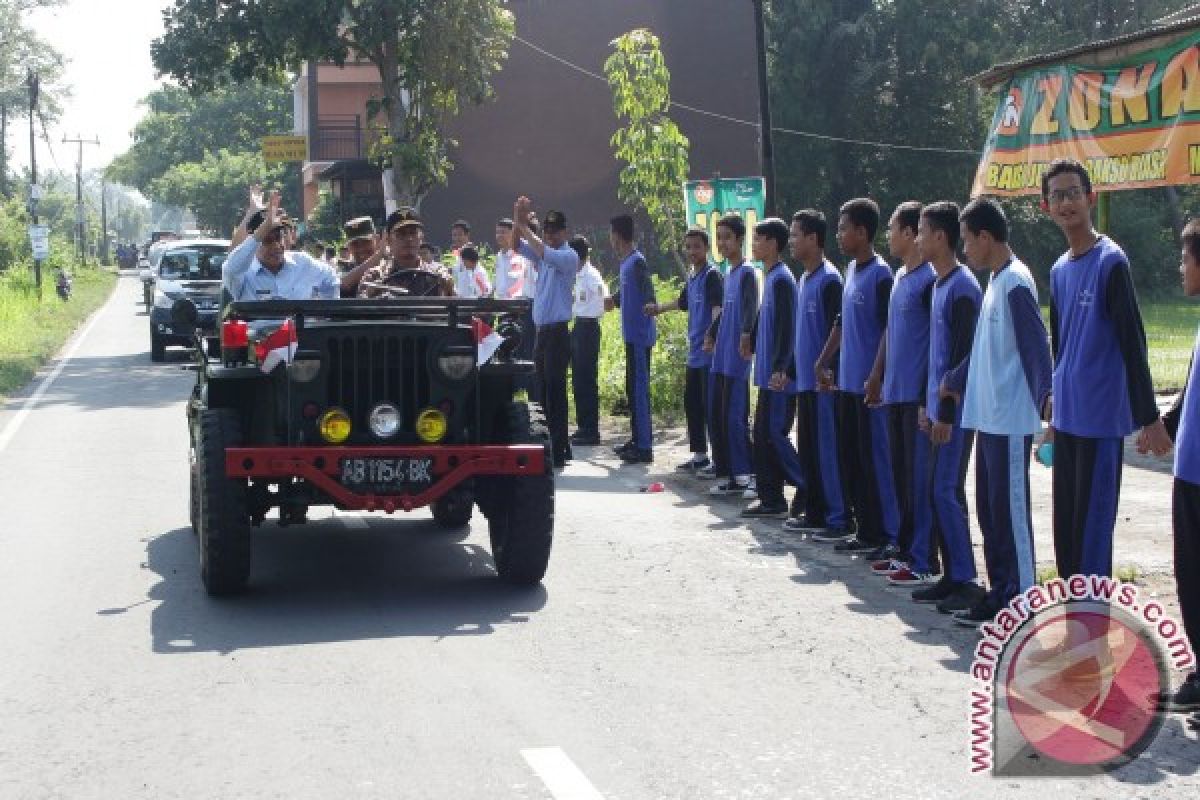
(262, 268)
(405, 234)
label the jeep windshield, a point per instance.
(192, 264)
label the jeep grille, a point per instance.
(367, 370)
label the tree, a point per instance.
(214, 188)
(653, 148)
(433, 59)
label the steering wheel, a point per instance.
(416, 282)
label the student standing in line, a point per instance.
(819, 509)
(1102, 385)
(775, 460)
(701, 298)
(510, 266)
(731, 341)
(470, 276)
(952, 319)
(862, 431)
(639, 331)
(460, 236)
(897, 383)
(590, 292)
(1003, 400)
(1183, 424)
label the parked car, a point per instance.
(187, 269)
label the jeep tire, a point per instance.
(452, 511)
(521, 519)
(224, 532)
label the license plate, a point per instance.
(387, 475)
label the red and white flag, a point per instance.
(487, 339)
(278, 347)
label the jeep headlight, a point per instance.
(431, 426)
(334, 426)
(456, 363)
(163, 300)
(384, 420)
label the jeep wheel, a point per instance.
(224, 532)
(453, 510)
(521, 524)
(194, 491)
(158, 348)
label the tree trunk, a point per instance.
(397, 122)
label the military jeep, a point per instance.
(366, 405)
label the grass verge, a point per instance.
(32, 330)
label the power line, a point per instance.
(755, 125)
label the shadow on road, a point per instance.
(322, 583)
(130, 381)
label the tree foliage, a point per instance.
(897, 71)
(433, 59)
(653, 148)
(214, 188)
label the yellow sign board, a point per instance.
(284, 148)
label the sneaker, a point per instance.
(832, 535)
(1184, 699)
(802, 525)
(693, 464)
(764, 510)
(966, 595)
(635, 456)
(906, 577)
(885, 553)
(751, 492)
(854, 545)
(935, 593)
(581, 439)
(888, 568)
(976, 615)
(623, 448)
(706, 473)
(728, 486)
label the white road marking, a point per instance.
(564, 780)
(14, 424)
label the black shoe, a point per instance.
(885, 552)
(854, 545)
(1184, 699)
(976, 615)
(580, 439)
(936, 593)
(832, 535)
(964, 597)
(636, 456)
(624, 448)
(765, 510)
(692, 465)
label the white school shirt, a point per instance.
(471, 282)
(590, 291)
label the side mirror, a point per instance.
(184, 314)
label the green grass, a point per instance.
(1170, 336)
(31, 329)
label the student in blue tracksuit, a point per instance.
(819, 508)
(1102, 386)
(731, 341)
(1183, 423)
(634, 293)
(1002, 399)
(952, 318)
(775, 459)
(898, 383)
(701, 298)
(862, 431)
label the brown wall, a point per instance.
(547, 133)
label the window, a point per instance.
(192, 264)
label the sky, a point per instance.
(107, 46)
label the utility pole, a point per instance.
(34, 191)
(80, 226)
(766, 140)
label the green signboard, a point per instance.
(708, 201)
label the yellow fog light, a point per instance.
(431, 425)
(334, 426)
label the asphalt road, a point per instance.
(673, 652)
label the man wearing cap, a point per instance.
(555, 265)
(405, 233)
(261, 267)
(365, 252)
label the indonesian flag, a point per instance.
(487, 339)
(278, 347)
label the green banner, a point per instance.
(708, 201)
(1135, 123)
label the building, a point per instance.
(546, 134)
